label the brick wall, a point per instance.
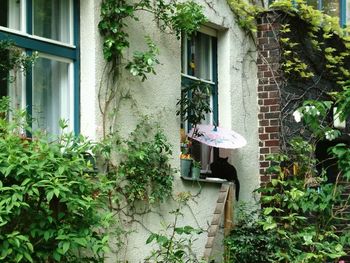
(268, 90)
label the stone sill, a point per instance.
(206, 180)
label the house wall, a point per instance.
(157, 97)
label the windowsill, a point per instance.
(34, 37)
(197, 79)
(206, 180)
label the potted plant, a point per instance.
(193, 107)
(185, 165)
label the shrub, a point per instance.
(52, 206)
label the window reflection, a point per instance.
(51, 96)
(51, 19)
(10, 11)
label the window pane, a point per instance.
(314, 3)
(331, 7)
(51, 94)
(10, 11)
(51, 19)
(16, 90)
(202, 56)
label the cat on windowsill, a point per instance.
(222, 169)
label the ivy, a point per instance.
(174, 17)
(144, 62)
(144, 172)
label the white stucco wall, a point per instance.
(157, 97)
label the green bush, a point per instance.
(52, 206)
(248, 242)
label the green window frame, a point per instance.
(64, 51)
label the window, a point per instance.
(335, 8)
(50, 91)
(199, 63)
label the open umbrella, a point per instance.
(217, 137)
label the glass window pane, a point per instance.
(51, 94)
(10, 11)
(202, 56)
(331, 7)
(314, 3)
(16, 90)
(51, 19)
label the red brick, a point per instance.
(263, 95)
(264, 164)
(264, 27)
(264, 109)
(274, 94)
(274, 122)
(265, 178)
(260, 102)
(267, 74)
(271, 101)
(274, 136)
(271, 129)
(264, 81)
(260, 88)
(264, 123)
(263, 136)
(264, 150)
(260, 116)
(272, 115)
(275, 108)
(272, 143)
(270, 88)
(261, 171)
(275, 149)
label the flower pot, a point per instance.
(196, 172)
(185, 165)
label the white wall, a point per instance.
(158, 95)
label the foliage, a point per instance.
(245, 14)
(143, 62)
(14, 59)
(52, 203)
(144, 172)
(174, 242)
(248, 242)
(300, 206)
(298, 219)
(194, 103)
(176, 17)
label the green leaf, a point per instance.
(151, 238)
(65, 247)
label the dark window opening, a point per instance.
(325, 160)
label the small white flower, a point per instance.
(297, 115)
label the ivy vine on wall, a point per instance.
(173, 17)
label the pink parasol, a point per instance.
(217, 137)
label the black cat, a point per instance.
(222, 169)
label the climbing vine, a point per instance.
(173, 17)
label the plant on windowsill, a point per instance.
(194, 105)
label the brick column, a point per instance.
(268, 89)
